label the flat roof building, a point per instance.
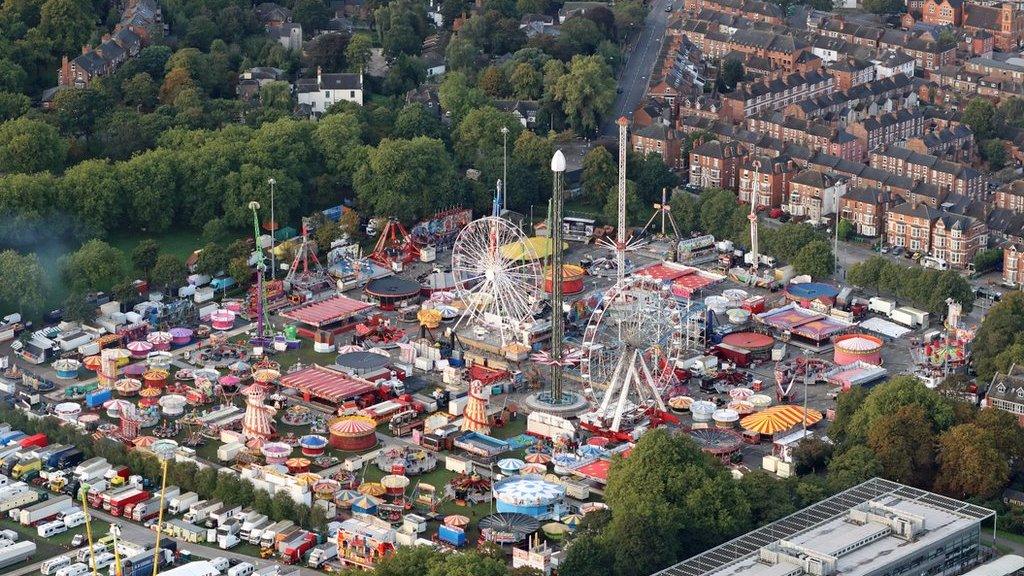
(876, 528)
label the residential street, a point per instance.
(634, 76)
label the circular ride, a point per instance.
(641, 315)
(630, 347)
(500, 290)
(507, 528)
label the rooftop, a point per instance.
(825, 528)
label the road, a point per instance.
(634, 75)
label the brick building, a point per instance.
(955, 238)
(1011, 197)
(865, 208)
(815, 194)
(716, 164)
(957, 178)
(888, 129)
(772, 94)
(659, 139)
(772, 177)
(1006, 392)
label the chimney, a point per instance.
(319, 77)
(85, 49)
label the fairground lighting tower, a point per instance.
(755, 186)
(557, 318)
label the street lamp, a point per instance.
(504, 167)
(273, 230)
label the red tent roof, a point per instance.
(324, 312)
(326, 384)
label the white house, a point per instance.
(894, 62)
(326, 89)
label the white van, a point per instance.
(241, 569)
(76, 569)
(51, 529)
(97, 549)
(102, 560)
(933, 262)
(52, 565)
(220, 563)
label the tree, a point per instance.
(492, 81)
(24, 283)
(282, 507)
(978, 115)
(686, 213)
(415, 120)
(867, 273)
(994, 151)
(526, 82)
(904, 444)
(669, 492)
(786, 242)
(144, 255)
(140, 91)
(168, 272)
(12, 76)
(327, 51)
(96, 265)
(479, 137)
(150, 183)
(68, 24)
(855, 465)
(335, 138)
(652, 177)
(730, 73)
(358, 51)
(634, 205)
(31, 146)
(970, 466)
(312, 14)
(580, 35)
(585, 92)
(988, 260)
(599, 173)
(769, 499)
(407, 179)
(898, 392)
(883, 6)
(458, 97)
(587, 555)
(13, 105)
(815, 259)
(845, 229)
(812, 456)
(77, 309)
(717, 212)
(276, 95)
(997, 342)
(92, 190)
(176, 81)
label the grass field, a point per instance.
(54, 545)
(177, 242)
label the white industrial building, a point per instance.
(876, 528)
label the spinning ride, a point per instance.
(500, 290)
(630, 347)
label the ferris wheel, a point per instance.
(639, 318)
(498, 276)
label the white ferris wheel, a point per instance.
(497, 276)
(637, 320)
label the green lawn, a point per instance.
(178, 242)
(54, 545)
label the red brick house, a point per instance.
(887, 129)
(1011, 197)
(1006, 392)
(1004, 22)
(865, 208)
(955, 238)
(661, 140)
(716, 164)
(943, 12)
(772, 177)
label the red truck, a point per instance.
(119, 502)
(294, 548)
(33, 441)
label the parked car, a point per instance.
(785, 217)
(897, 250)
